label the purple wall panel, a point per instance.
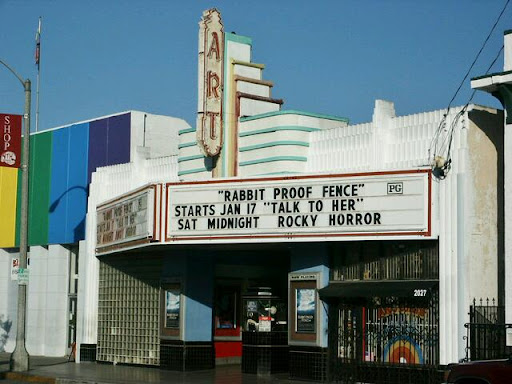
(98, 133)
(118, 145)
(109, 142)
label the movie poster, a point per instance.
(172, 308)
(306, 310)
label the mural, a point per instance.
(61, 164)
(401, 335)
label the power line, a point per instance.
(457, 117)
(478, 54)
(443, 164)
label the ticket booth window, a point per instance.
(226, 310)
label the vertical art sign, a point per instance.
(211, 65)
(10, 141)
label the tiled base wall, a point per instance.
(186, 356)
(87, 352)
(308, 363)
(264, 353)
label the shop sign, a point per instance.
(10, 140)
(385, 203)
(124, 220)
(211, 65)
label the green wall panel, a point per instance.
(40, 177)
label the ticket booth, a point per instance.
(264, 333)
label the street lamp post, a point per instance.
(20, 357)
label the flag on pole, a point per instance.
(38, 44)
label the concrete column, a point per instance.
(198, 290)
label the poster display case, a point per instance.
(304, 318)
(172, 308)
(171, 316)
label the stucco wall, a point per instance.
(485, 142)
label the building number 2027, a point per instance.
(420, 292)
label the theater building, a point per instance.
(280, 240)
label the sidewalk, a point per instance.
(50, 370)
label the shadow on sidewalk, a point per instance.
(35, 362)
(58, 370)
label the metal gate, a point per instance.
(486, 331)
(385, 340)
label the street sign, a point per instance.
(23, 274)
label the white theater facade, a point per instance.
(289, 241)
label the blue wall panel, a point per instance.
(58, 186)
(68, 193)
(118, 149)
(77, 182)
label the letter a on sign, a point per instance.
(211, 65)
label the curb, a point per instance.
(74, 381)
(27, 378)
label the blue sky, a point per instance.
(335, 57)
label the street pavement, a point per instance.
(55, 370)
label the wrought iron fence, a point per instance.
(486, 331)
(414, 261)
(385, 340)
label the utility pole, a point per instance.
(20, 357)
